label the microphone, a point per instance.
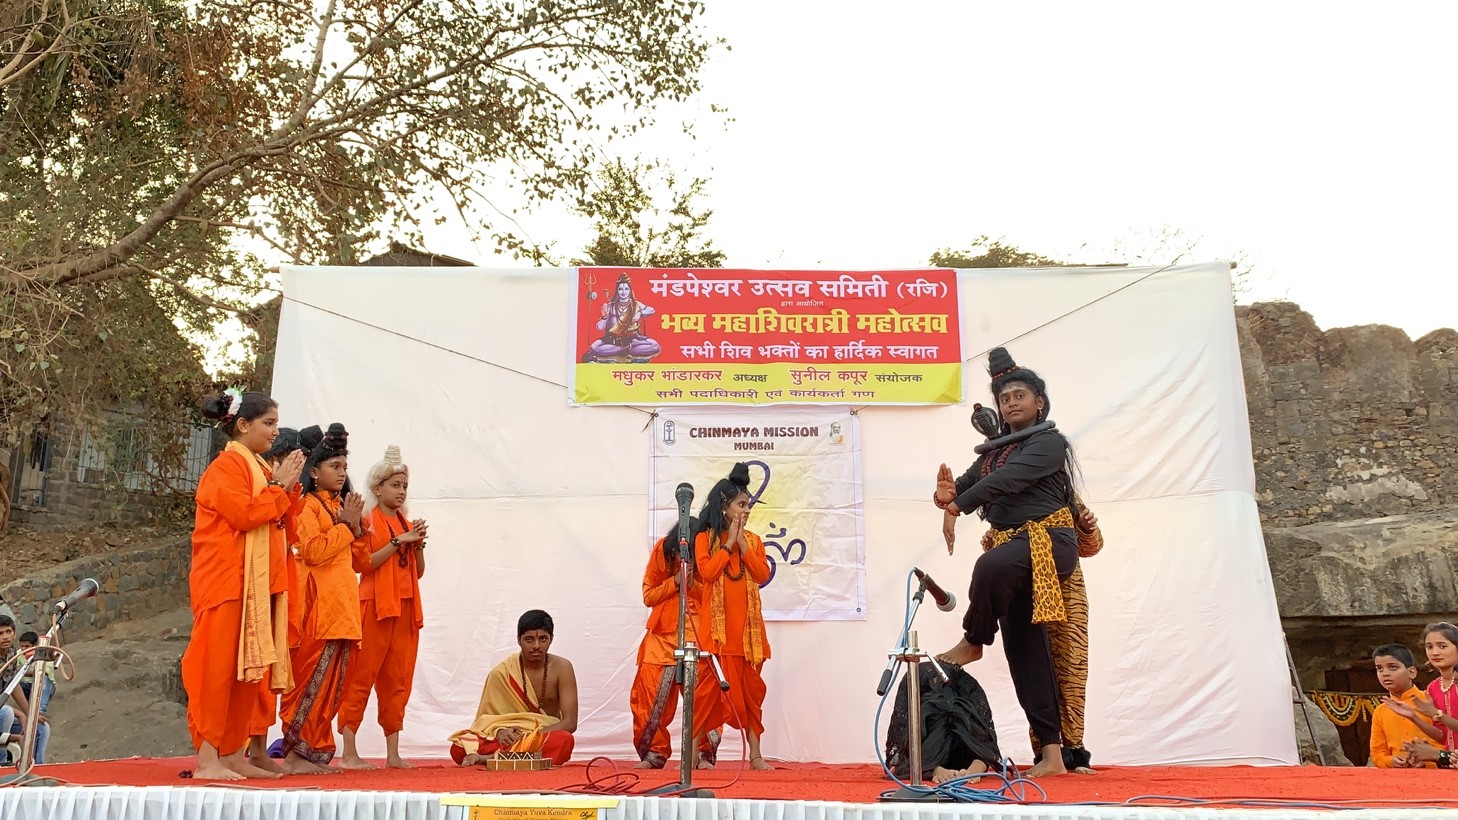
(87, 589)
(946, 601)
(684, 493)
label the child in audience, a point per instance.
(1391, 728)
(1434, 714)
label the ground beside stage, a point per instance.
(811, 781)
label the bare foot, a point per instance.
(703, 764)
(962, 654)
(473, 760)
(941, 774)
(758, 763)
(645, 764)
(349, 762)
(214, 771)
(397, 763)
(1049, 766)
(238, 763)
(293, 764)
(265, 763)
(1084, 770)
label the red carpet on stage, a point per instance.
(843, 783)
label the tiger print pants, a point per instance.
(1068, 641)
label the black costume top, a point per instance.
(1031, 485)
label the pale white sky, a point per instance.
(1316, 139)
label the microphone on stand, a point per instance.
(87, 589)
(685, 496)
(946, 601)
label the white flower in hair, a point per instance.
(235, 400)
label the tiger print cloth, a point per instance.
(1068, 642)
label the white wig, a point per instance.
(380, 473)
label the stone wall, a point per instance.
(136, 583)
(1350, 423)
(71, 503)
(71, 476)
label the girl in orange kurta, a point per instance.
(239, 626)
(654, 696)
(732, 564)
(330, 530)
(282, 577)
(390, 564)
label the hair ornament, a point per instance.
(235, 403)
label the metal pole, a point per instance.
(687, 658)
(37, 678)
(683, 584)
(913, 706)
(688, 675)
(1299, 697)
(688, 753)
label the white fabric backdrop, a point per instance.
(536, 504)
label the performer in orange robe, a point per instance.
(390, 564)
(732, 565)
(282, 577)
(330, 530)
(239, 625)
(654, 696)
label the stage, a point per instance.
(154, 789)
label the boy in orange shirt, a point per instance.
(1391, 728)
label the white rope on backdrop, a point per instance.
(446, 349)
(491, 494)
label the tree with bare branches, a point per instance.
(152, 152)
(633, 230)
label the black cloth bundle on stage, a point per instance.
(956, 724)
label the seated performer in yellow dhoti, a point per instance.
(528, 692)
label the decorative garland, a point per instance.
(1345, 708)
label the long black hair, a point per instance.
(711, 515)
(1003, 372)
(323, 446)
(286, 443)
(669, 544)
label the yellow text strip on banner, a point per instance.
(530, 807)
(805, 488)
(766, 337)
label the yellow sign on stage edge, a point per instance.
(535, 813)
(531, 807)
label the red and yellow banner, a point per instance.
(656, 337)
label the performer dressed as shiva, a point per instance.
(1023, 484)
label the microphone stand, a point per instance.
(47, 649)
(687, 673)
(908, 652)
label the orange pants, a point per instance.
(557, 747)
(741, 707)
(386, 662)
(652, 739)
(219, 705)
(265, 709)
(309, 710)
